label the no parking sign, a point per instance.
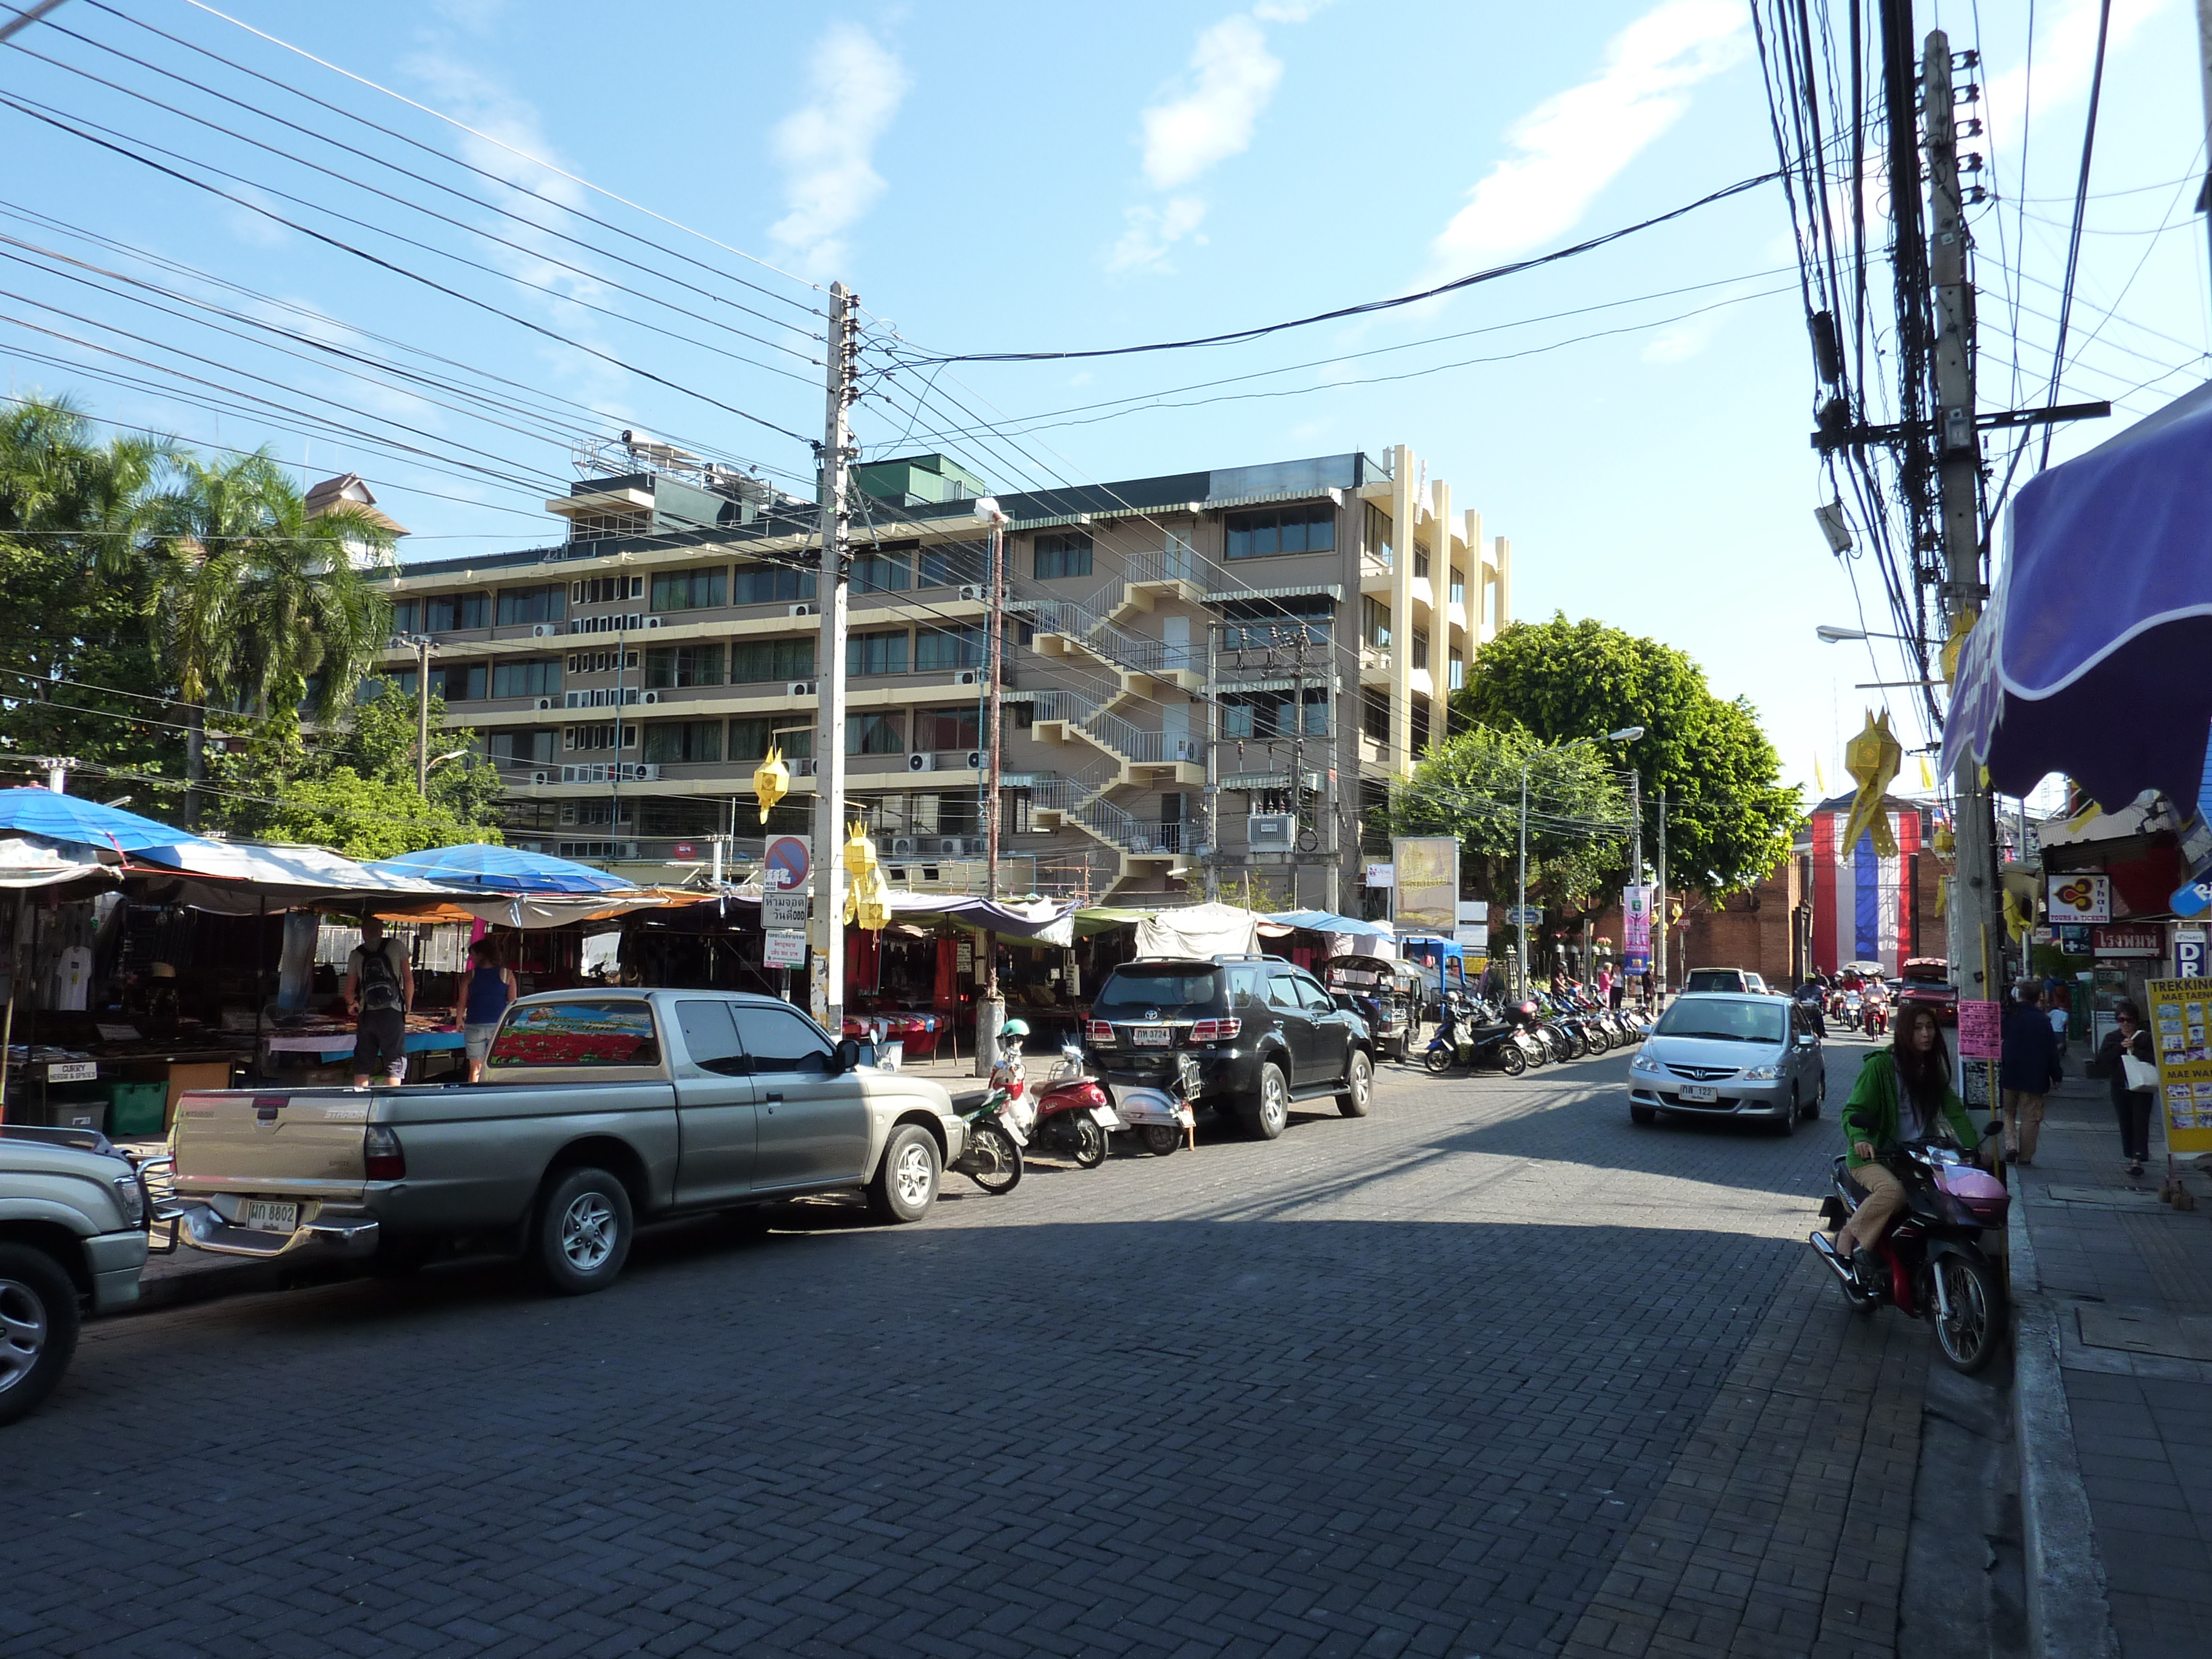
(788, 864)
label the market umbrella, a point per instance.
(1328, 921)
(2088, 659)
(55, 816)
(484, 867)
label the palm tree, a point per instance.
(259, 603)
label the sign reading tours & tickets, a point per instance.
(2180, 1011)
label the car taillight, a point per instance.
(1098, 1031)
(381, 1155)
(1215, 1030)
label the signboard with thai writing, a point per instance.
(2181, 1038)
(1981, 1030)
(783, 910)
(1427, 869)
(783, 950)
(2128, 939)
(1635, 929)
(2080, 897)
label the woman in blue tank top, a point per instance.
(491, 986)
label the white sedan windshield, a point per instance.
(1728, 1021)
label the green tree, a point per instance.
(382, 744)
(1469, 786)
(1729, 819)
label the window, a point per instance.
(1378, 533)
(530, 604)
(1420, 745)
(767, 584)
(445, 613)
(615, 1032)
(936, 649)
(600, 736)
(1420, 647)
(403, 616)
(1267, 713)
(522, 748)
(782, 1040)
(459, 682)
(683, 740)
(1282, 990)
(1458, 669)
(876, 653)
(1132, 992)
(598, 662)
(526, 679)
(1375, 712)
(1375, 622)
(1282, 529)
(880, 573)
(1317, 1002)
(1420, 561)
(401, 684)
(752, 661)
(669, 666)
(875, 734)
(749, 737)
(948, 729)
(1262, 624)
(605, 590)
(956, 564)
(710, 1040)
(689, 590)
(1458, 586)
(1063, 554)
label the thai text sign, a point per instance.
(2180, 1011)
(2128, 940)
(2080, 897)
(1635, 929)
(1981, 1030)
(1428, 884)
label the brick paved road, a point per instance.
(1409, 1384)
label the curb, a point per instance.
(209, 1283)
(2067, 1614)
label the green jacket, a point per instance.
(1870, 1115)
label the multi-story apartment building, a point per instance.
(628, 680)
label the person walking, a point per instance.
(2027, 1065)
(1903, 1094)
(380, 989)
(2130, 1105)
(492, 987)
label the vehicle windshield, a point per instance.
(1154, 992)
(1727, 1021)
(1715, 979)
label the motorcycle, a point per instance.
(1469, 1037)
(997, 1130)
(1932, 1264)
(1162, 1118)
(1073, 1114)
(1876, 1020)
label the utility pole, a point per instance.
(1521, 902)
(1659, 917)
(421, 643)
(614, 772)
(1959, 460)
(992, 1014)
(842, 354)
(1210, 849)
(1297, 761)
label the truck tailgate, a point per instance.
(305, 1143)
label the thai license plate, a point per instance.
(1149, 1036)
(1105, 1117)
(265, 1216)
(1700, 1092)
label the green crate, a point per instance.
(135, 1111)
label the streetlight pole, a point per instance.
(992, 1014)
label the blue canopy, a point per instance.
(1325, 921)
(2089, 659)
(483, 867)
(34, 812)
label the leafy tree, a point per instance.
(1729, 819)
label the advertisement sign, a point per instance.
(2189, 952)
(2128, 939)
(1427, 868)
(1981, 1030)
(788, 863)
(1381, 875)
(783, 950)
(1474, 909)
(1474, 936)
(1635, 929)
(2080, 897)
(2179, 1038)
(783, 911)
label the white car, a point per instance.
(1740, 1055)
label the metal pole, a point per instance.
(1659, 913)
(993, 1013)
(422, 715)
(1212, 843)
(835, 593)
(1521, 905)
(2204, 66)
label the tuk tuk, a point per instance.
(1384, 994)
(1443, 968)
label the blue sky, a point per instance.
(1020, 178)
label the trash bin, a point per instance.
(84, 1114)
(135, 1109)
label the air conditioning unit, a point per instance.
(1271, 832)
(545, 703)
(803, 611)
(650, 696)
(538, 778)
(921, 762)
(649, 772)
(903, 847)
(544, 631)
(655, 622)
(968, 676)
(973, 590)
(951, 847)
(976, 759)
(803, 689)
(802, 767)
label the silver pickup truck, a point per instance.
(599, 1108)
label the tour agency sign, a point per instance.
(1427, 869)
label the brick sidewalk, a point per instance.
(2131, 1279)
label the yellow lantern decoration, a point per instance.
(1872, 758)
(859, 853)
(1957, 643)
(771, 779)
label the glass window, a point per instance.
(526, 679)
(782, 1039)
(1375, 712)
(1458, 586)
(683, 740)
(445, 613)
(523, 748)
(531, 604)
(880, 573)
(1317, 1002)
(1375, 622)
(767, 583)
(1066, 553)
(936, 649)
(947, 728)
(709, 1038)
(875, 734)
(1132, 993)
(1420, 647)
(461, 682)
(956, 564)
(1458, 669)
(749, 737)
(1724, 1018)
(876, 653)
(1247, 987)
(615, 1032)
(672, 666)
(403, 616)
(1282, 990)
(1421, 560)
(752, 661)
(1378, 533)
(1282, 529)
(689, 590)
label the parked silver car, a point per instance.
(1735, 1055)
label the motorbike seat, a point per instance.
(1848, 1181)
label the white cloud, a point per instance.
(824, 146)
(1234, 76)
(1149, 232)
(1289, 11)
(256, 229)
(1679, 343)
(2065, 55)
(1574, 144)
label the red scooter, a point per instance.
(1074, 1114)
(1876, 1020)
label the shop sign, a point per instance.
(2179, 1010)
(2191, 898)
(1427, 867)
(2125, 940)
(1474, 909)
(784, 950)
(2081, 896)
(2189, 952)
(684, 850)
(781, 908)
(1981, 1030)
(1381, 875)
(73, 1070)
(2041, 935)
(1472, 936)
(2073, 940)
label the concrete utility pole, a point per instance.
(992, 1014)
(1520, 899)
(1959, 452)
(835, 587)
(1659, 916)
(422, 715)
(1209, 847)
(1297, 762)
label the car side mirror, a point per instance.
(852, 1052)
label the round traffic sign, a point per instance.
(788, 863)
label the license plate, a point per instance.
(1701, 1092)
(265, 1216)
(1105, 1117)
(1149, 1036)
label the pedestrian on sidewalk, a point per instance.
(2131, 1106)
(1903, 1094)
(491, 988)
(2027, 1067)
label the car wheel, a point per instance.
(38, 1327)
(1645, 1114)
(1268, 1109)
(1785, 1123)
(583, 1231)
(905, 1184)
(1358, 1086)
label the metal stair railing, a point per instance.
(1089, 808)
(1088, 621)
(1132, 743)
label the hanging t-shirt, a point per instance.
(72, 978)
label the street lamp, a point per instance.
(1626, 734)
(1829, 633)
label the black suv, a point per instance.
(1264, 1033)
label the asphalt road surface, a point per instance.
(1409, 1384)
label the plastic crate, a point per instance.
(135, 1111)
(77, 1115)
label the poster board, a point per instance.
(1635, 929)
(1427, 869)
(2181, 1037)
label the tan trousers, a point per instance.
(2023, 1123)
(1885, 1198)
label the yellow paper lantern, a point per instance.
(1872, 758)
(771, 779)
(859, 853)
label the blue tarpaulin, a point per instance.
(59, 818)
(482, 868)
(1327, 921)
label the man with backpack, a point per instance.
(380, 989)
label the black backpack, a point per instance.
(379, 985)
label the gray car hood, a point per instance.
(1713, 1052)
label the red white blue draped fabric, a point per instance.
(2090, 658)
(1862, 901)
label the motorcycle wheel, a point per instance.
(1600, 1040)
(1090, 1149)
(1161, 1138)
(1438, 1061)
(1510, 1061)
(1968, 1338)
(992, 1160)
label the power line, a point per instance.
(2080, 208)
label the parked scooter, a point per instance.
(1469, 1036)
(1932, 1264)
(998, 1128)
(1073, 1114)
(1162, 1118)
